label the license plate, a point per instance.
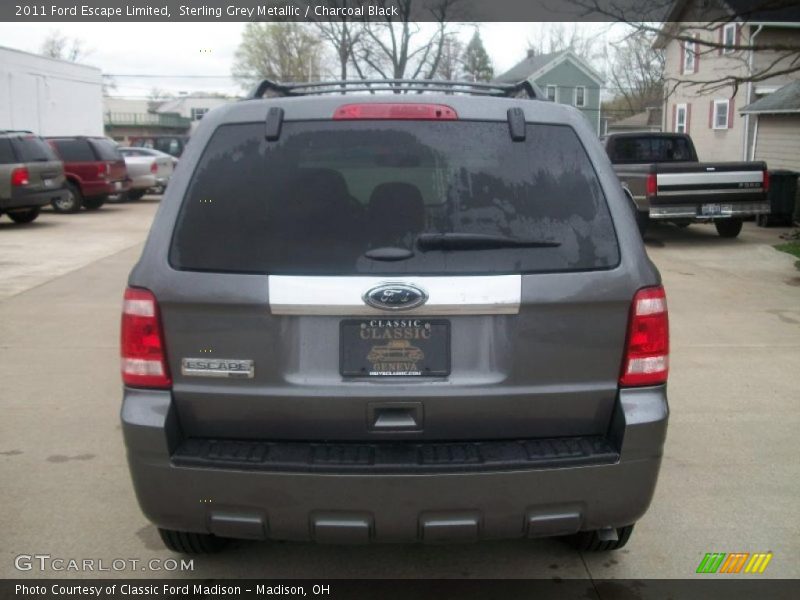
(711, 209)
(47, 182)
(117, 185)
(401, 347)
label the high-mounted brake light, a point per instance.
(765, 180)
(646, 360)
(20, 176)
(144, 360)
(652, 185)
(396, 111)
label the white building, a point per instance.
(49, 96)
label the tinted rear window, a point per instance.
(106, 150)
(327, 192)
(7, 155)
(33, 149)
(75, 151)
(651, 149)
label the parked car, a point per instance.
(142, 151)
(667, 182)
(31, 175)
(303, 235)
(95, 169)
(146, 171)
(174, 145)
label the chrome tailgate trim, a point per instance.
(344, 296)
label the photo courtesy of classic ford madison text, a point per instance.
(400, 290)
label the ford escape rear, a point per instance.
(394, 318)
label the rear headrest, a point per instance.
(397, 206)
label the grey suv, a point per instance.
(31, 175)
(394, 318)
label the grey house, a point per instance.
(777, 127)
(564, 77)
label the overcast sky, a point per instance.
(175, 49)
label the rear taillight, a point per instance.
(144, 359)
(20, 176)
(103, 170)
(378, 111)
(646, 360)
(154, 167)
(652, 185)
(765, 180)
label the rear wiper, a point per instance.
(476, 241)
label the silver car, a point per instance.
(148, 170)
(394, 318)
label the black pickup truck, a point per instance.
(664, 178)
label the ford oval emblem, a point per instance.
(395, 296)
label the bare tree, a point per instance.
(58, 45)
(558, 37)
(703, 30)
(636, 72)
(342, 34)
(452, 60)
(283, 51)
(400, 48)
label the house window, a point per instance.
(720, 114)
(681, 118)
(689, 57)
(729, 38)
(580, 96)
(198, 113)
(551, 92)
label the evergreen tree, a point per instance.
(477, 64)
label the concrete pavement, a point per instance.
(730, 478)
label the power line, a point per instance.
(150, 75)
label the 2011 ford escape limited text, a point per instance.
(394, 318)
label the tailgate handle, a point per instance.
(395, 416)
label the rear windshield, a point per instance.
(327, 193)
(33, 149)
(75, 150)
(651, 149)
(106, 150)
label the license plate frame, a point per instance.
(394, 347)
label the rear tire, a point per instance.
(94, 203)
(728, 228)
(71, 202)
(136, 194)
(187, 542)
(589, 541)
(24, 216)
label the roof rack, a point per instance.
(15, 131)
(272, 89)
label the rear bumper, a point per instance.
(21, 198)
(693, 211)
(91, 189)
(143, 182)
(351, 506)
